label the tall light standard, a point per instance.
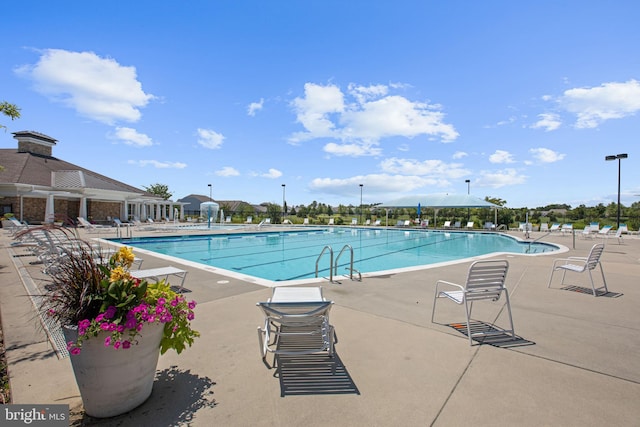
(361, 203)
(618, 157)
(210, 200)
(468, 181)
(284, 203)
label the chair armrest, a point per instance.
(582, 260)
(444, 282)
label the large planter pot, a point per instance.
(111, 381)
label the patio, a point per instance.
(575, 363)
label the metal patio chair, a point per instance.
(485, 281)
(581, 265)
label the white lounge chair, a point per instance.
(554, 227)
(249, 220)
(305, 221)
(544, 227)
(158, 273)
(566, 229)
(331, 221)
(91, 228)
(296, 321)
(447, 224)
(485, 282)
(377, 222)
(470, 225)
(455, 225)
(354, 221)
(581, 265)
(604, 231)
(16, 226)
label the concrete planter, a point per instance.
(111, 381)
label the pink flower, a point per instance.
(161, 301)
(105, 326)
(190, 316)
(75, 351)
(126, 344)
(192, 305)
(116, 345)
(107, 341)
(111, 311)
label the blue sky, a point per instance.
(524, 99)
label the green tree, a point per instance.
(9, 110)
(160, 190)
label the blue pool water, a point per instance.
(285, 256)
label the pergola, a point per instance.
(440, 201)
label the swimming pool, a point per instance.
(295, 255)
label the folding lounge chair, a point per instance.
(554, 227)
(447, 224)
(485, 281)
(470, 225)
(295, 328)
(544, 227)
(354, 221)
(604, 231)
(157, 273)
(331, 221)
(581, 265)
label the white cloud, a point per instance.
(210, 139)
(371, 116)
(378, 183)
(353, 150)
(501, 156)
(227, 171)
(158, 164)
(255, 106)
(314, 109)
(594, 105)
(547, 121)
(98, 88)
(130, 136)
(272, 174)
(459, 155)
(435, 168)
(545, 155)
(497, 179)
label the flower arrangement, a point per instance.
(99, 294)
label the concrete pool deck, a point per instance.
(576, 362)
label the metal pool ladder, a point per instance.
(333, 265)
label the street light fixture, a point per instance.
(468, 181)
(284, 203)
(361, 203)
(618, 157)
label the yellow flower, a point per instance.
(125, 256)
(119, 273)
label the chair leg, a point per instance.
(513, 330)
(468, 313)
(603, 279)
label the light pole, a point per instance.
(468, 181)
(284, 203)
(619, 157)
(361, 203)
(210, 200)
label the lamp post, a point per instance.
(361, 203)
(468, 181)
(284, 203)
(209, 213)
(618, 157)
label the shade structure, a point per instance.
(439, 201)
